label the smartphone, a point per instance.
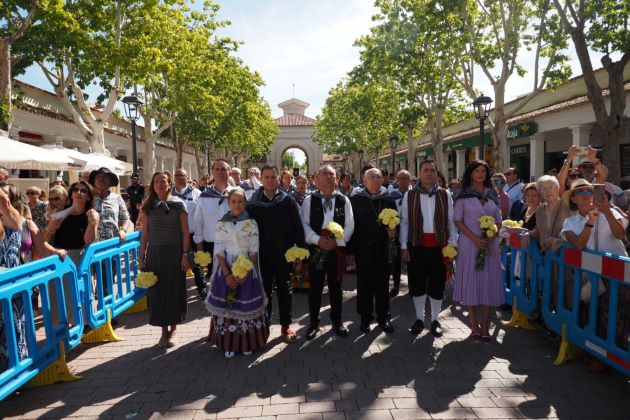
(583, 150)
(599, 193)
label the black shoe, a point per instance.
(386, 327)
(505, 307)
(417, 327)
(311, 332)
(113, 322)
(393, 292)
(202, 294)
(365, 327)
(436, 329)
(340, 330)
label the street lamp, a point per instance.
(236, 156)
(482, 109)
(208, 140)
(393, 141)
(132, 110)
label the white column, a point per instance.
(159, 163)
(461, 163)
(581, 136)
(537, 155)
(477, 152)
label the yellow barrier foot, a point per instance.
(103, 333)
(519, 319)
(189, 273)
(139, 306)
(57, 372)
(568, 351)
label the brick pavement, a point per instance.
(372, 376)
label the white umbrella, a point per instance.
(17, 155)
(94, 161)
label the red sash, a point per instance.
(429, 240)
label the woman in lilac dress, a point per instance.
(473, 287)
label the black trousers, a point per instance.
(200, 281)
(396, 270)
(277, 272)
(426, 272)
(317, 287)
(373, 284)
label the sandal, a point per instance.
(288, 335)
(476, 336)
(485, 338)
(163, 341)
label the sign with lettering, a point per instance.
(520, 130)
(520, 150)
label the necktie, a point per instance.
(328, 203)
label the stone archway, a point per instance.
(301, 148)
(296, 131)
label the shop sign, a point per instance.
(520, 150)
(524, 129)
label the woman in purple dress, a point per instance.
(477, 287)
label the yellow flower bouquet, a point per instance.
(146, 279)
(203, 259)
(295, 254)
(390, 218)
(332, 230)
(488, 229)
(512, 223)
(241, 267)
(449, 252)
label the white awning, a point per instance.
(93, 161)
(18, 155)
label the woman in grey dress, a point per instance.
(165, 242)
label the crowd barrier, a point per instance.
(101, 287)
(569, 288)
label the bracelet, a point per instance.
(185, 254)
(589, 225)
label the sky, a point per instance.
(308, 44)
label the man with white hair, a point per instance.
(189, 195)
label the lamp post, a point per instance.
(482, 109)
(208, 140)
(132, 110)
(237, 155)
(393, 141)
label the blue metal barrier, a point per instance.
(113, 266)
(522, 287)
(16, 286)
(580, 322)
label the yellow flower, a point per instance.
(493, 228)
(393, 222)
(489, 234)
(389, 217)
(449, 251)
(512, 223)
(486, 221)
(335, 229)
(202, 258)
(146, 279)
(296, 254)
(242, 266)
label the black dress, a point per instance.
(167, 299)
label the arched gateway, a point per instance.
(296, 131)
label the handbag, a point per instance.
(586, 290)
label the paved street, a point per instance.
(370, 376)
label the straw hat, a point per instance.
(580, 184)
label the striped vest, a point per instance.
(416, 219)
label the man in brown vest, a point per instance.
(426, 227)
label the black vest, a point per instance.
(317, 212)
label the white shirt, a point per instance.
(190, 201)
(606, 241)
(208, 212)
(310, 235)
(515, 192)
(427, 206)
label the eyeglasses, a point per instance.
(582, 193)
(80, 190)
(498, 181)
(31, 193)
(575, 175)
(509, 173)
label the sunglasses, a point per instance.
(509, 173)
(31, 193)
(498, 181)
(80, 190)
(574, 176)
(583, 193)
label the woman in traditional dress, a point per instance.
(477, 287)
(165, 242)
(237, 305)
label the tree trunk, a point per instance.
(613, 127)
(436, 140)
(200, 158)
(97, 138)
(411, 158)
(499, 131)
(6, 116)
(149, 147)
(178, 142)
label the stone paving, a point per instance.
(373, 376)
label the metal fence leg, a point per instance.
(57, 372)
(139, 306)
(519, 319)
(568, 351)
(103, 333)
